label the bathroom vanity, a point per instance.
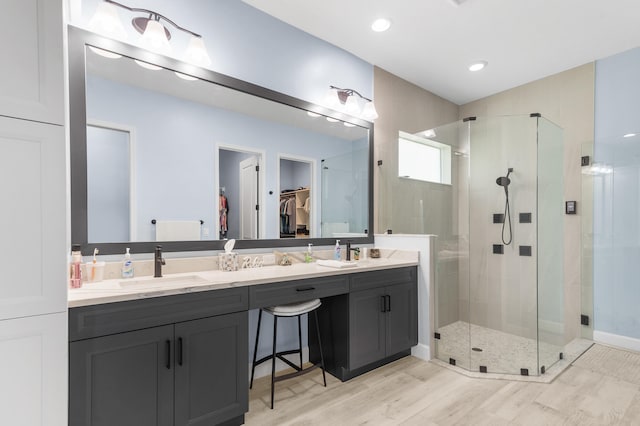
(179, 355)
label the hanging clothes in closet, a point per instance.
(223, 206)
(287, 216)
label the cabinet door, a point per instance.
(211, 369)
(402, 317)
(366, 327)
(31, 76)
(125, 379)
(33, 389)
(32, 218)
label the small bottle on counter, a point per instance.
(127, 265)
(336, 252)
(75, 268)
(308, 256)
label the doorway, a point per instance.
(239, 182)
(296, 206)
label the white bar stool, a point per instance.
(288, 310)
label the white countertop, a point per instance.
(118, 290)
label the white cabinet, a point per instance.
(32, 218)
(34, 371)
(31, 76)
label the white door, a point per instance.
(31, 76)
(249, 213)
(33, 253)
(34, 370)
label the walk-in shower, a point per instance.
(499, 292)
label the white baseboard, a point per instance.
(421, 351)
(264, 369)
(617, 340)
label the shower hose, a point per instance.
(507, 217)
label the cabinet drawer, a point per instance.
(374, 279)
(261, 296)
(110, 318)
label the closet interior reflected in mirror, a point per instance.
(192, 163)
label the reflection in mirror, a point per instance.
(109, 183)
(296, 207)
(344, 205)
(239, 194)
(206, 161)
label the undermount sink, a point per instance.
(163, 282)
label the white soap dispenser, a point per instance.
(336, 252)
(127, 265)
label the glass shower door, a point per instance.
(551, 326)
(502, 235)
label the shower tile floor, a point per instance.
(501, 352)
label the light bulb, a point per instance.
(332, 120)
(347, 124)
(369, 112)
(155, 38)
(351, 106)
(313, 114)
(197, 52)
(106, 22)
(331, 99)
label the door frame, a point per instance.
(315, 199)
(133, 209)
(261, 154)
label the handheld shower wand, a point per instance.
(504, 181)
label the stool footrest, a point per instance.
(296, 373)
(280, 355)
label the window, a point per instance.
(423, 159)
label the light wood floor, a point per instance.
(600, 388)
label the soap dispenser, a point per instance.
(336, 253)
(127, 265)
(308, 256)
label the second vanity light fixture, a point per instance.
(155, 35)
(348, 100)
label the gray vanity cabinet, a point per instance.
(376, 323)
(211, 370)
(383, 315)
(173, 360)
(124, 379)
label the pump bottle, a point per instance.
(75, 270)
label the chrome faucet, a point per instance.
(158, 261)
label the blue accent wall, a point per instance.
(248, 44)
(617, 195)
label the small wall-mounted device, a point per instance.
(585, 160)
(571, 207)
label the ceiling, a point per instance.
(431, 43)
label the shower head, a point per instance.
(504, 180)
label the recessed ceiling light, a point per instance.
(477, 66)
(629, 135)
(380, 25)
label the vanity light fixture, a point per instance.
(477, 66)
(155, 36)
(348, 100)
